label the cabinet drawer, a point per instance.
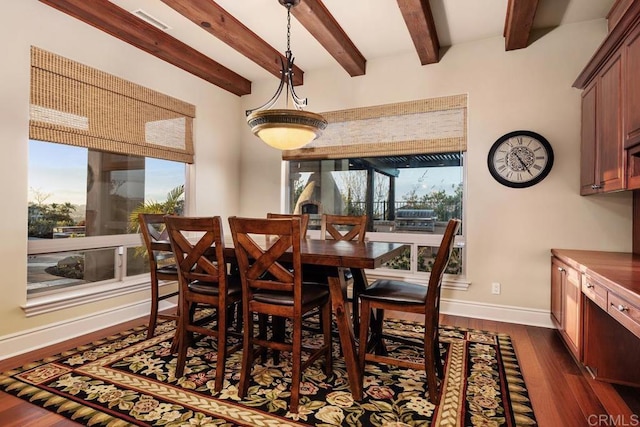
(625, 313)
(594, 291)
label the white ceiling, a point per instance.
(376, 27)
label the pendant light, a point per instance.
(286, 128)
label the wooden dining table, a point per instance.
(336, 256)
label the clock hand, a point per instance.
(523, 163)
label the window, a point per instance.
(401, 164)
(81, 199)
(100, 148)
(407, 198)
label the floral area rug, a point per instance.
(129, 380)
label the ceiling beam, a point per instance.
(518, 23)
(111, 19)
(419, 20)
(213, 18)
(317, 19)
(380, 167)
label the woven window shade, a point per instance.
(78, 105)
(435, 125)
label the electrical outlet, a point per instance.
(495, 288)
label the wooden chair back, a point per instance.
(304, 220)
(153, 230)
(259, 263)
(201, 260)
(333, 227)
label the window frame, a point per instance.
(121, 284)
(457, 282)
(60, 299)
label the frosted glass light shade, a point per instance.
(286, 129)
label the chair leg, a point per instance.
(297, 364)
(247, 353)
(365, 309)
(153, 316)
(436, 356)
(431, 362)
(376, 321)
(183, 344)
(326, 326)
(222, 349)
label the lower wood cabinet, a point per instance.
(566, 307)
(595, 305)
(611, 352)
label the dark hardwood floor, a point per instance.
(562, 393)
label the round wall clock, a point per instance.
(520, 159)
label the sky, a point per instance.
(59, 173)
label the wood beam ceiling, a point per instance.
(317, 19)
(312, 14)
(419, 20)
(518, 23)
(116, 21)
(213, 18)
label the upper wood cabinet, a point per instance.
(588, 137)
(631, 91)
(610, 130)
(602, 151)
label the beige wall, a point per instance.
(29, 22)
(509, 231)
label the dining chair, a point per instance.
(161, 265)
(203, 281)
(272, 289)
(343, 227)
(304, 220)
(407, 297)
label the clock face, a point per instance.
(520, 159)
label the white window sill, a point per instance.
(40, 304)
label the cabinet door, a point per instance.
(610, 147)
(573, 311)
(557, 292)
(588, 140)
(566, 305)
(632, 88)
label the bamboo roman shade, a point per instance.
(434, 125)
(74, 104)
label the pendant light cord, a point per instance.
(289, 71)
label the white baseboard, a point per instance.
(499, 313)
(30, 340)
(43, 336)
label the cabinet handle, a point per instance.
(561, 270)
(620, 307)
(590, 286)
(596, 186)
